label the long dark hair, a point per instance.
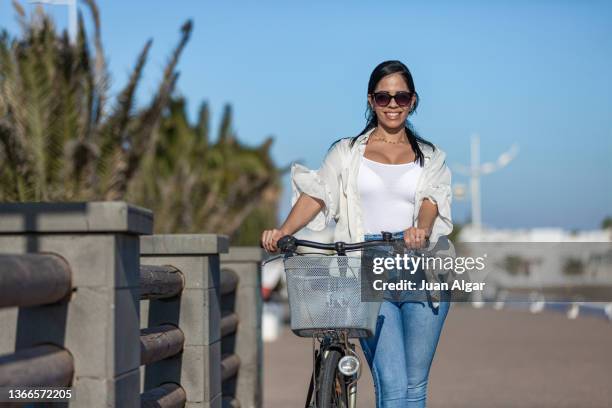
(382, 70)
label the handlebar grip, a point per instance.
(287, 244)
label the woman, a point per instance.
(385, 179)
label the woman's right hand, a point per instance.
(269, 239)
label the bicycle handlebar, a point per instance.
(289, 244)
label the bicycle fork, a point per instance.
(318, 357)
(352, 395)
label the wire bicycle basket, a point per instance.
(325, 294)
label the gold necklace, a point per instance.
(381, 139)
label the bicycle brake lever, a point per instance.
(274, 258)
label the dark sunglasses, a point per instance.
(383, 99)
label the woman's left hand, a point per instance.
(416, 238)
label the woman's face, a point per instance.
(392, 116)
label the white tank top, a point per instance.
(387, 194)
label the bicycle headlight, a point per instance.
(348, 365)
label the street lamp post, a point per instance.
(476, 170)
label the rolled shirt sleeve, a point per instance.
(438, 190)
(323, 184)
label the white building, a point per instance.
(469, 234)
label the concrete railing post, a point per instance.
(195, 312)
(247, 342)
(99, 325)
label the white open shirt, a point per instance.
(335, 183)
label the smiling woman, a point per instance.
(386, 178)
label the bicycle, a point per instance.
(325, 304)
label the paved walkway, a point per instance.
(485, 358)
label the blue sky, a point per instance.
(535, 73)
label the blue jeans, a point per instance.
(402, 349)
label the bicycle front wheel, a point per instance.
(332, 384)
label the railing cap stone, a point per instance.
(77, 217)
(184, 244)
(243, 254)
